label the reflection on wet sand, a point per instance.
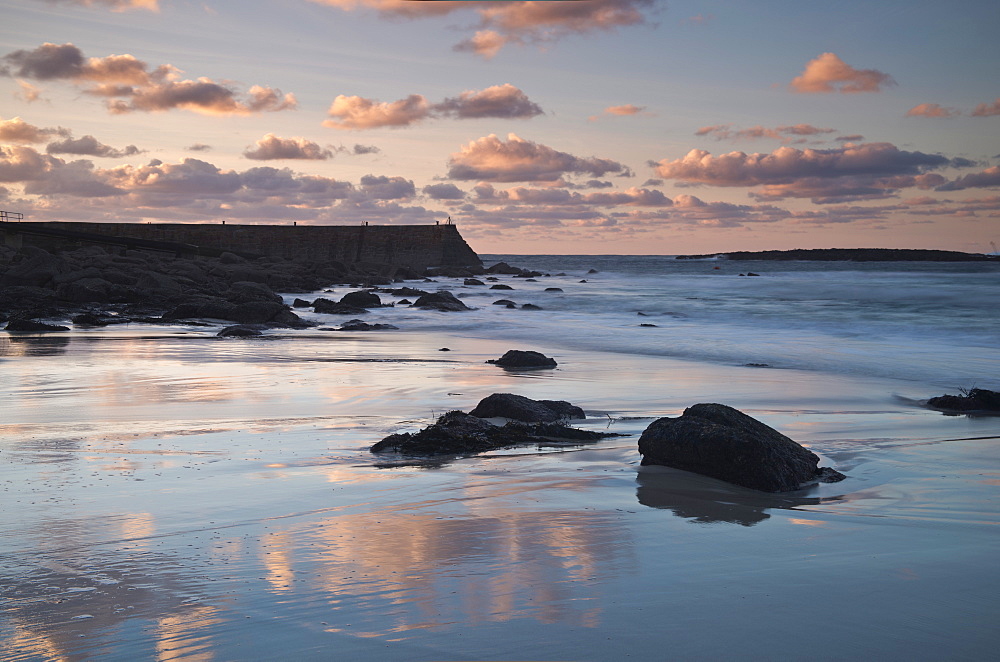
(707, 500)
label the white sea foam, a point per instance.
(929, 322)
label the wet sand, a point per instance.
(169, 495)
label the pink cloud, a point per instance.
(491, 159)
(988, 178)
(90, 146)
(828, 73)
(271, 147)
(987, 109)
(116, 5)
(519, 22)
(503, 101)
(857, 171)
(782, 133)
(130, 85)
(28, 92)
(485, 43)
(932, 110)
(16, 130)
(443, 192)
(356, 112)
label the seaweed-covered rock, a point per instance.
(516, 358)
(973, 400)
(520, 408)
(459, 433)
(724, 443)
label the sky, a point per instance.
(562, 127)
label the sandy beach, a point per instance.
(170, 495)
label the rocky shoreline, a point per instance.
(851, 255)
(95, 287)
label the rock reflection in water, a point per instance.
(708, 501)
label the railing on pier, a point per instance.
(11, 216)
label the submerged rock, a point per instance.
(516, 358)
(520, 408)
(722, 442)
(361, 325)
(459, 433)
(239, 331)
(975, 399)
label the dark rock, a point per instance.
(593, 271)
(503, 268)
(501, 286)
(98, 319)
(474, 281)
(361, 325)
(406, 292)
(327, 307)
(724, 443)
(245, 291)
(530, 306)
(583, 281)
(405, 302)
(302, 303)
(975, 399)
(37, 268)
(23, 325)
(460, 433)
(443, 300)
(361, 299)
(750, 273)
(516, 358)
(648, 325)
(531, 280)
(492, 279)
(444, 349)
(231, 258)
(553, 289)
(504, 302)
(154, 282)
(520, 408)
(239, 331)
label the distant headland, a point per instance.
(851, 255)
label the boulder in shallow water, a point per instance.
(516, 358)
(520, 408)
(722, 442)
(361, 299)
(459, 433)
(443, 300)
(972, 400)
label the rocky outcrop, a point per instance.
(459, 433)
(972, 400)
(520, 408)
(722, 442)
(516, 358)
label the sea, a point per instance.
(170, 494)
(936, 323)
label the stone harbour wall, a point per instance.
(413, 246)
